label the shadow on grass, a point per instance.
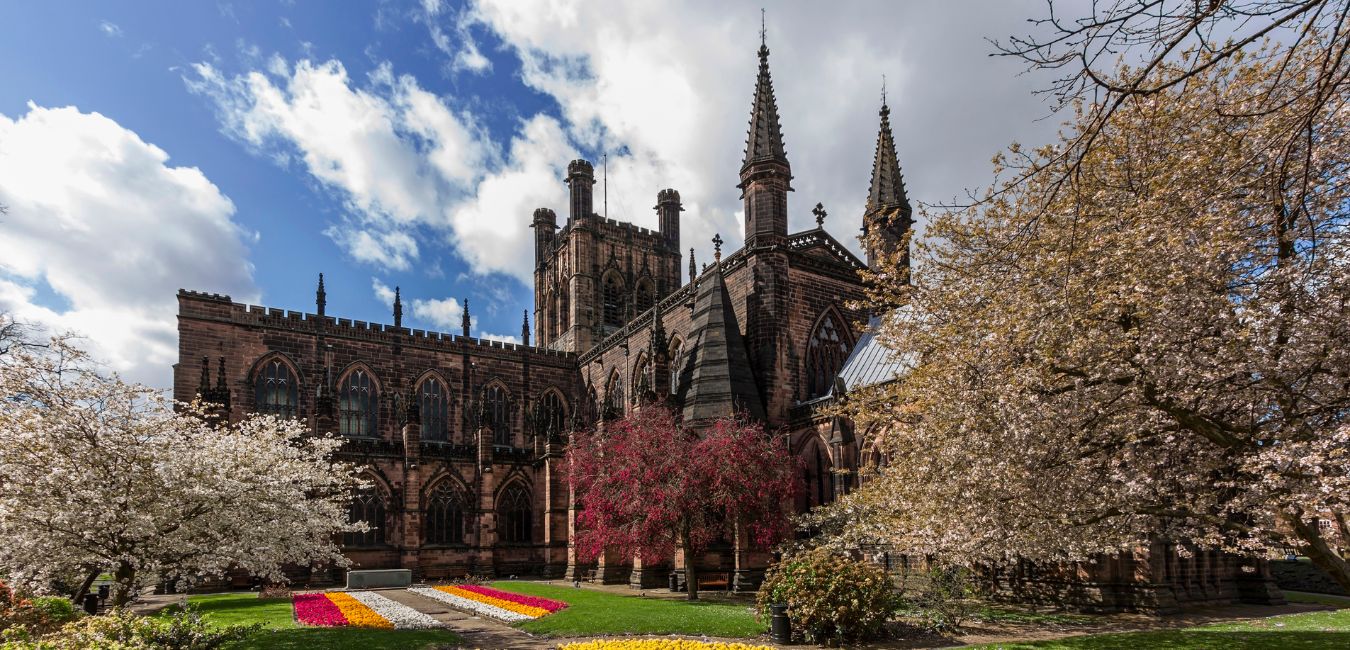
(1201, 640)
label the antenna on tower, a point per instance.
(605, 183)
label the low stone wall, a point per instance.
(1297, 575)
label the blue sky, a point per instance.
(243, 148)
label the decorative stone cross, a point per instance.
(820, 213)
(717, 247)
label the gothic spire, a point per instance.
(321, 296)
(398, 308)
(464, 319)
(693, 268)
(525, 328)
(888, 185)
(765, 142)
(205, 384)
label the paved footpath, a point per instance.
(478, 632)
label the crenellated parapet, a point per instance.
(220, 308)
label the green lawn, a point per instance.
(1311, 631)
(591, 613)
(283, 633)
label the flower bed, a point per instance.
(501, 605)
(358, 609)
(529, 601)
(660, 644)
(401, 616)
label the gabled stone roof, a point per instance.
(716, 378)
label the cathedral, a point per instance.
(463, 438)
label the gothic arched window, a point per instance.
(513, 515)
(645, 296)
(497, 414)
(825, 355)
(613, 300)
(358, 402)
(564, 316)
(277, 390)
(367, 506)
(445, 515)
(434, 407)
(554, 415)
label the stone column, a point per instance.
(412, 498)
(610, 568)
(648, 575)
(555, 558)
(482, 560)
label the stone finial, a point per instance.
(525, 327)
(693, 268)
(717, 247)
(820, 213)
(398, 308)
(220, 375)
(464, 319)
(321, 296)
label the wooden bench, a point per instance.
(711, 581)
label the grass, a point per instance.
(1339, 602)
(1310, 631)
(592, 613)
(283, 633)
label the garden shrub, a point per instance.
(25, 618)
(830, 598)
(182, 629)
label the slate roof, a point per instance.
(872, 363)
(717, 375)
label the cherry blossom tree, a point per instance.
(647, 486)
(1145, 335)
(97, 474)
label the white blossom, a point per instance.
(99, 475)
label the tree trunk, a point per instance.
(1317, 550)
(85, 585)
(690, 573)
(125, 577)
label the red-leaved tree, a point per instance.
(648, 486)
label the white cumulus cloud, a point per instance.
(99, 221)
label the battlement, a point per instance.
(220, 308)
